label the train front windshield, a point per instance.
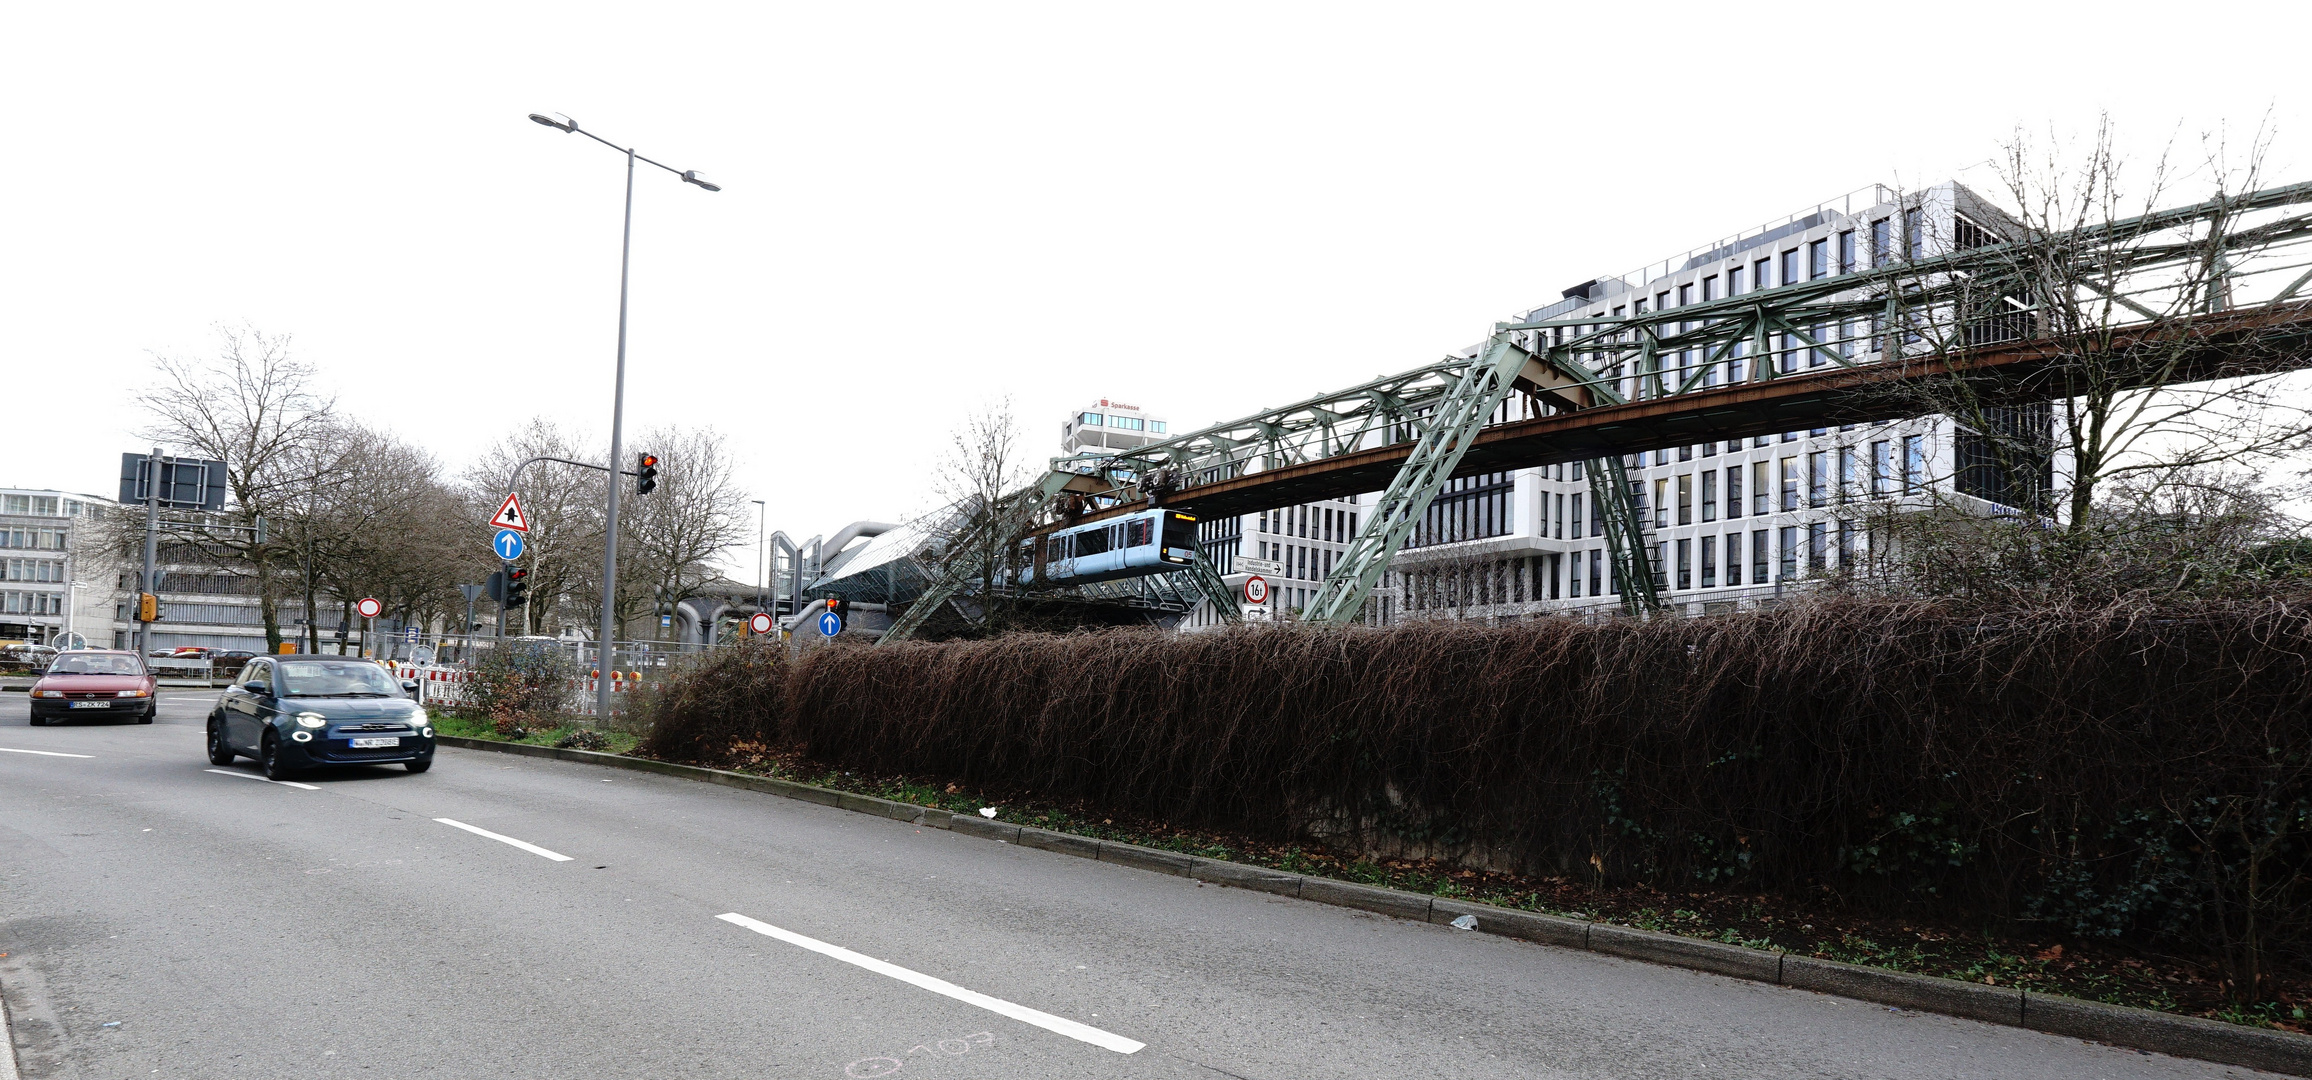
(1179, 534)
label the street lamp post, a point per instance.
(603, 647)
(762, 574)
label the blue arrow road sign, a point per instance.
(830, 624)
(508, 544)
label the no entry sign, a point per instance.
(760, 623)
(369, 607)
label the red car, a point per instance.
(94, 684)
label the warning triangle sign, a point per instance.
(510, 516)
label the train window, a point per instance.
(1179, 531)
(1090, 542)
(1143, 533)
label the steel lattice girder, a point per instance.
(1572, 363)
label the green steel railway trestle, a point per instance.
(1406, 435)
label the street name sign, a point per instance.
(510, 515)
(369, 607)
(508, 544)
(1246, 564)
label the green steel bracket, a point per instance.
(1215, 588)
(1452, 425)
(1629, 539)
(950, 575)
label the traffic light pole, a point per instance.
(144, 629)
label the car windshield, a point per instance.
(348, 678)
(95, 665)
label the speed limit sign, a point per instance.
(760, 623)
(1256, 590)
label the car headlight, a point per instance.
(48, 693)
(134, 693)
(427, 732)
(312, 719)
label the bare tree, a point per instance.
(256, 407)
(983, 479)
(680, 530)
(564, 506)
(2135, 311)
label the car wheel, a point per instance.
(39, 720)
(219, 752)
(148, 715)
(269, 757)
(418, 766)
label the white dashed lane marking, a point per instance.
(1057, 1024)
(524, 845)
(42, 753)
(253, 776)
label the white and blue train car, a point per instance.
(1148, 542)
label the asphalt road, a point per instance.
(160, 919)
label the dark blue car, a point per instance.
(293, 713)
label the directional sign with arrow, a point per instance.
(510, 515)
(508, 544)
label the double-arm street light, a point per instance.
(603, 648)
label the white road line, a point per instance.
(253, 776)
(1060, 1025)
(531, 848)
(42, 753)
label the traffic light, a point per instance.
(148, 607)
(842, 609)
(495, 587)
(517, 587)
(645, 473)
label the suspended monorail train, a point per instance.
(1148, 542)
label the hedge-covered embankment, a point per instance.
(2116, 771)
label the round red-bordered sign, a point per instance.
(1256, 590)
(368, 607)
(761, 623)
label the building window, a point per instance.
(1790, 483)
(1817, 545)
(1733, 559)
(1758, 557)
(1597, 568)
(1709, 288)
(1881, 242)
(1685, 563)
(1576, 501)
(1734, 492)
(1662, 503)
(1710, 561)
(1817, 479)
(1789, 538)
(1846, 252)
(1846, 478)
(1881, 469)
(1761, 493)
(1914, 463)
(1817, 259)
(1685, 295)
(1092, 419)
(1559, 528)
(1156, 426)
(1789, 267)
(1710, 495)
(1914, 233)
(1685, 498)
(1762, 274)
(1733, 281)
(1845, 544)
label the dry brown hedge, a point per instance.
(2111, 770)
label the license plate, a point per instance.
(91, 704)
(373, 744)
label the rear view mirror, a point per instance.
(259, 688)
(409, 686)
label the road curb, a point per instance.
(2139, 1029)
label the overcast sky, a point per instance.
(1198, 208)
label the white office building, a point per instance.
(1732, 522)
